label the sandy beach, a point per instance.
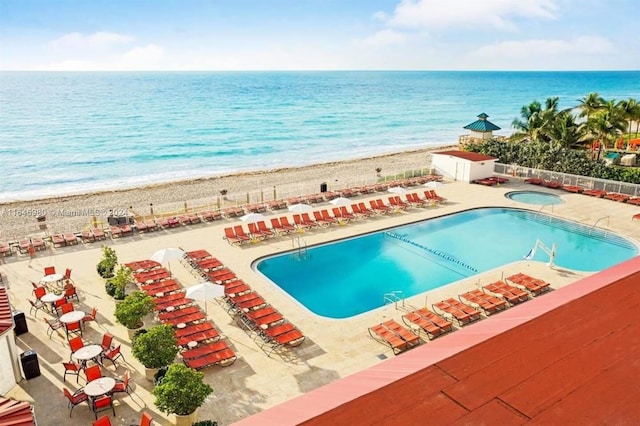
(75, 212)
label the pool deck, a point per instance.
(333, 349)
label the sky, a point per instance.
(194, 35)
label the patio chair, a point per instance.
(93, 372)
(123, 385)
(75, 399)
(75, 343)
(102, 403)
(67, 275)
(36, 306)
(53, 326)
(70, 292)
(39, 292)
(74, 328)
(65, 307)
(71, 368)
(107, 338)
(102, 421)
(145, 420)
(49, 270)
(112, 354)
(90, 317)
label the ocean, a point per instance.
(65, 133)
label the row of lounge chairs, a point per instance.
(200, 342)
(597, 193)
(237, 235)
(491, 181)
(269, 328)
(468, 308)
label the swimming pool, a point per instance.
(534, 197)
(349, 277)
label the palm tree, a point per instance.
(607, 124)
(590, 104)
(566, 132)
(536, 122)
(630, 110)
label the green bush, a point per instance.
(108, 262)
(156, 348)
(205, 423)
(181, 391)
(110, 288)
(133, 308)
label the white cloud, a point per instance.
(385, 38)
(77, 40)
(431, 14)
(529, 48)
(142, 57)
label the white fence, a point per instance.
(568, 179)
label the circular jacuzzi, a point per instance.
(534, 197)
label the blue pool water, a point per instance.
(534, 197)
(349, 277)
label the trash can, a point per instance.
(20, 322)
(30, 365)
(323, 187)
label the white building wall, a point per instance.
(7, 376)
(461, 170)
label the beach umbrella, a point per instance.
(205, 291)
(252, 217)
(341, 201)
(434, 184)
(165, 256)
(300, 208)
(397, 190)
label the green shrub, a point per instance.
(156, 348)
(108, 262)
(110, 288)
(133, 308)
(181, 391)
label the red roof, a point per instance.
(470, 156)
(15, 413)
(6, 318)
(567, 357)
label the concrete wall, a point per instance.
(7, 363)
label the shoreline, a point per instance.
(19, 217)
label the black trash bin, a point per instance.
(30, 365)
(323, 187)
(20, 322)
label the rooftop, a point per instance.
(334, 349)
(482, 124)
(475, 157)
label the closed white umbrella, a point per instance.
(433, 184)
(397, 190)
(300, 208)
(252, 217)
(341, 201)
(204, 291)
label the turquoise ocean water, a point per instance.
(63, 133)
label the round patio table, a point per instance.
(73, 316)
(87, 353)
(51, 297)
(100, 386)
(52, 278)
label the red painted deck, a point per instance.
(568, 357)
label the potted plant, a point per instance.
(155, 348)
(116, 286)
(108, 262)
(181, 392)
(132, 309)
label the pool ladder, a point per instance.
(591, 228)
(301, 246)
(394, 297)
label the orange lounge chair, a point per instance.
(397, 203)
(387, 337)
(512, 294)
(598, 193)
(320, 220)
(232, 238)
(489, 304)
(635, 216)
(204, 350)
(428, 322)
(254, 232)
(178, 313)
(532, 285)
(57, 240)
(405, 334)
(223, 358)
(456, 310)
(279, 227)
